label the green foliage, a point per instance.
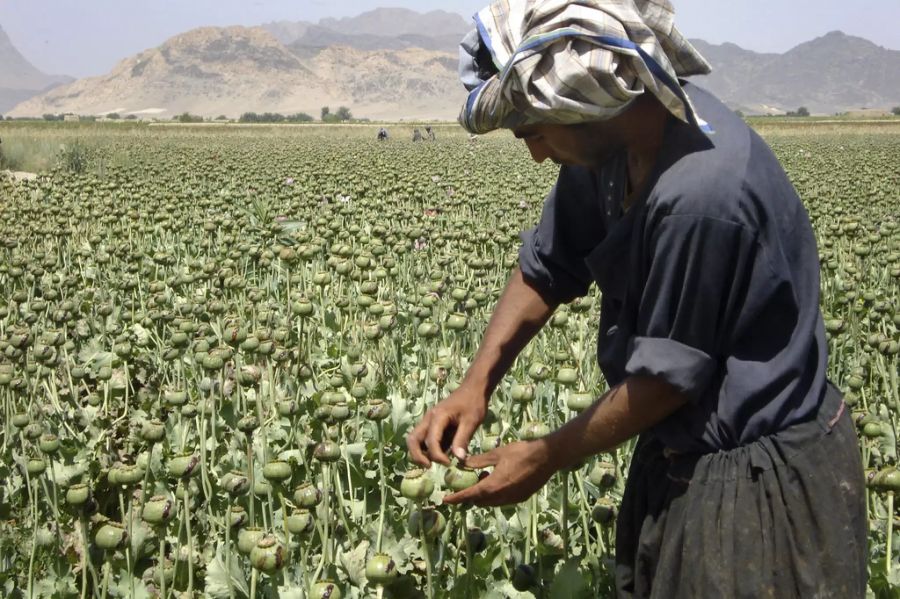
(187, 117)
(130, 298)
(803, 111)
(895, 110)
(343, 114)
(274, 117)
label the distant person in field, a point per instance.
(382, 134)
(429, 133)
(417, 135)
(746, 480)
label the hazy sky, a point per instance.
(87, 37)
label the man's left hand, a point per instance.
(520, 469)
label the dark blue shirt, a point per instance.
(710, 280)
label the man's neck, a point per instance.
(644, 129)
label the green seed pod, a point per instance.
(189, 410)
(248, 538)
(175, 398)
(33, 431)
(49, 443)
(277, 471)
(358, 391)
(249, 376)
(340, 412)
(604, 511)
(603, 475)
(432, 521)
(457, 322)
(300, 522)
(288, 408)
(378, 409)
(324, 589)
(534, 429)
(416, 485)
(307, 495)
(262, 488)
(579, 401)
(158, 510)
(20, 420)
(77, 495)
(153, 431)
(183, 466)
(269, 555)
(522, 393)
(327, 451)
(125, 475)
(459, 478)
(539, 372)
(872, 430)
(111, 536)
(248, 424)
(35, 466)
(567, 376)
(381, 569)
(428, 330)
(237, 516)
(559, 320)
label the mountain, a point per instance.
(212, 71)
(19, 79)
(393, 64)
(379, 29)
(832, 73)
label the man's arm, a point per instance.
(519, 315)
(520, 469)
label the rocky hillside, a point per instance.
(19, 79)
(379, 29)
(212, 71)
(832, 73)
(397, 64)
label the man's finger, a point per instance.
(414, 442)
(483, 460)
(433, 439)
(460, 445)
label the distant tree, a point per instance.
(115, 116)
(300, 117)
(343, 114)
(740, 113)
(131, 117)
(52, 117)
(326, 112)
(221, 117)
(895, 110)
(187, 117)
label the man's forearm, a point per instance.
(626, 410)
(519, 315)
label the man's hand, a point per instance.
(520, 469)
(459, 414)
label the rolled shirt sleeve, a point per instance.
(552, 254)
(705, 276)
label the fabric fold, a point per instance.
(573, 61)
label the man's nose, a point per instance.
(538, 150)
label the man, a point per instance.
(746, 481)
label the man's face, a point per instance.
(590, 145)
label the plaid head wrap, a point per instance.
(572, 61)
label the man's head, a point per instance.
(563, 62)
(592, 144)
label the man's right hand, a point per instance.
(448, 426)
